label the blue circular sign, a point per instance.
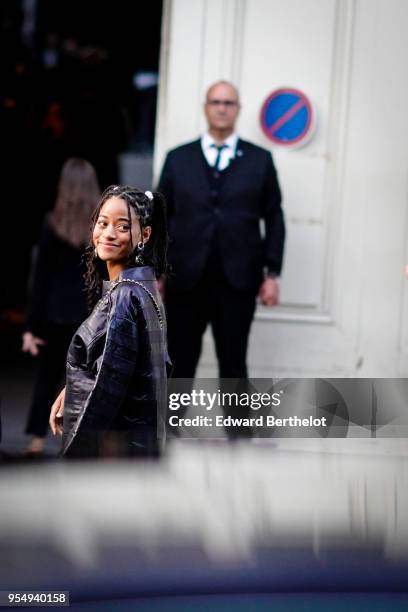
(287, 117)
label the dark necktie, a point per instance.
(219, 148)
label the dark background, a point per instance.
(67, 88)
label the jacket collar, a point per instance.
(140, 273)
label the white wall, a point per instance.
(345, 194)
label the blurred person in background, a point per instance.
(217, 189)
(58, 302)
(115, 399)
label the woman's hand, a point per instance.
(31, 343)
(57, 414)
(161, 285)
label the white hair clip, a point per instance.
(149, 195)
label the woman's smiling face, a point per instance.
(113, 237)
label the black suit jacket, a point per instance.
(249, 192)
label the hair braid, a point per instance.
(151, 213)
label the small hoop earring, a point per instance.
(139, 256)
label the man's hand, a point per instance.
(31, 344)
(57, 414)
(269, 292)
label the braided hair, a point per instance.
(151, 211)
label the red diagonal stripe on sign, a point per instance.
(286, 116)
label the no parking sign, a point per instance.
(287, 117)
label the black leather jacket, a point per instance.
(116, 382)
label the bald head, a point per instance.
(225, 85)
(221, 109)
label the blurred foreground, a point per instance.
(283, 525)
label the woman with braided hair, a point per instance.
(114, 402)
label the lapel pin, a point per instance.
(239, 153)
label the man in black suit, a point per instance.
(218, 189)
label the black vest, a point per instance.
(214, 267)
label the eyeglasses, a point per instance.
(227, 103)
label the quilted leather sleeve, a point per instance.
(115, 370)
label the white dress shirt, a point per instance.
(210, 152)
